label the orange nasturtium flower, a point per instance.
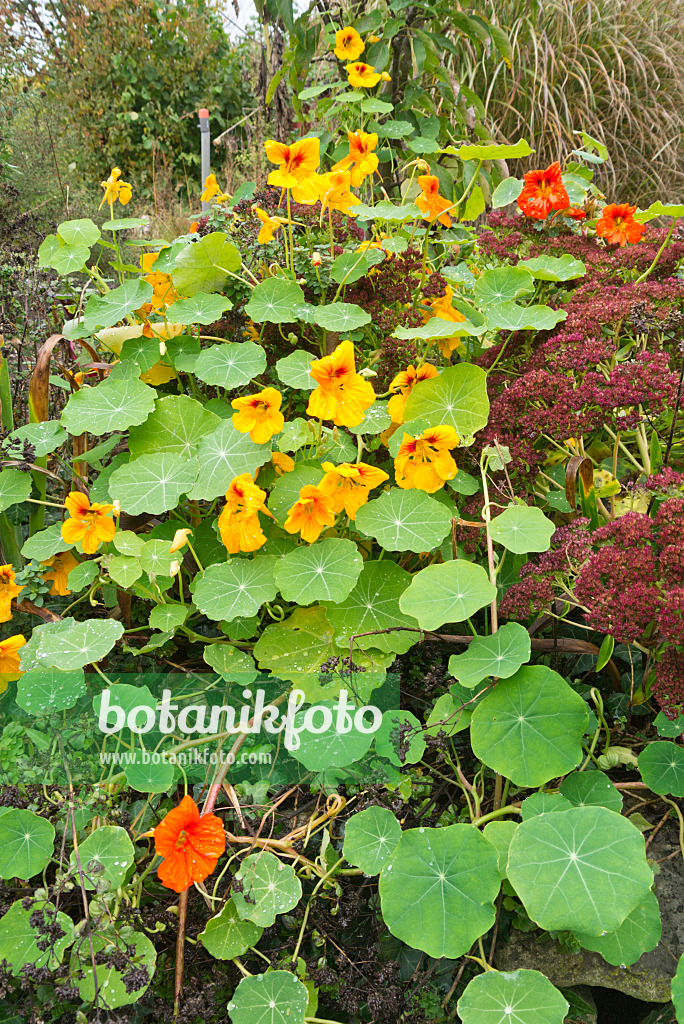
(404, 383)
(335, 193)
(342, 394)
(425, 461)
(190, 845)
(296, 166)
(212, 190)
(312, 511)
(349, 484)
(259, 415)
(163, 292)
(348, 44)
(8, 591)
(430, 203)
(283, 463)
(618, 226)
(361, 160)
(10, 660)
(91, 524)
(543, 192)
(116, 189)
(238, 523)
(59, 567)
(362, 75)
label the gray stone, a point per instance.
(649, 978)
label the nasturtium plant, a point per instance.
(339, 576)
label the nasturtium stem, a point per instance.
(668, 236)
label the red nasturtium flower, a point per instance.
(543, 192)
(617, 225)
(190, 845)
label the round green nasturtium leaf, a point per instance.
(438, 888)
(126, 697)
(448, 716)
(373, 605)
(237, 587)
(124, 569)
(26, 842)
(128, 543)
(584, 869)
(110, 308)
(29, 653)
(506, 192)
(510, 316)
(543, 803)
(82, 575)
(15, 487)
(42, 691)
(500, 833)
(678, 989)
(230, 365)
(204, 266)
(639, 933)
(370, 838)
(273, 301)
(324, 571)
(79, 232)
(670, 727)
(269, 887)
(83, 644)
(110, 984)
(530, 727)
(400, 745)
(499, 655)
(222, 455)
(447, 592)
(151, 777)
(45, 437)
(276, 997)
(168, 616)
(554, 268)
(502, 284)
(45, 543)
(405, 520)
(19, 939)
(457, 398)
(200, 309)
(662, 768)
(522, 528)
(153, 483)
(113, 404)
(515, 997)
(109, 848)
(296, 648)
(341, 316)
(591, 789)
(175, 426)
(231, 663)
(329, 748)
(293, 370)
(141, 350)
(156, 558)
(226, 935)
(375, 421)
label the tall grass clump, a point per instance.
(614, 68)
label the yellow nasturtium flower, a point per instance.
(342, 394)
(310, 514)
(269, 226)
(212, 190)
(10, 660)
(425, 462)
(360, 160)
(59, 567)
(348, 44)
(297, 165)
(8, 590)
(362, 75)
(115, 189)
(259, 415)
